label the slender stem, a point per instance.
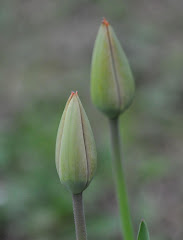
(120, 182)
(79, 217)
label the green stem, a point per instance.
(120, 182)
(79, 217)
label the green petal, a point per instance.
(59, 134)
(123, 71)
(90, 147)
(73, 167)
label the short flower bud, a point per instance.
(112, 84)
(76, 156)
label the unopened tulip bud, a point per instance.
(112, 84)
(76, 157)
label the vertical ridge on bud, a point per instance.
(113, 63)
(89, 143)
(75, 159)
(84, 139)
(72, 157)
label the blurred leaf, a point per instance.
(143, 232)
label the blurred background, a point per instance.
(45, 52)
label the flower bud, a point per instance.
(112, 84)
(76, 157)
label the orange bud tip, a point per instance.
(72, 94)
(105, 22)
(76, 92)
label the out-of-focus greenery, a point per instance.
(46, 49)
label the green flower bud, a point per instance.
(112, 84)
(76, 157)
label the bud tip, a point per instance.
(105, 22)
(73, 93)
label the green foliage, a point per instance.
(143, 233)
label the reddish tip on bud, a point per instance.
(105, 22)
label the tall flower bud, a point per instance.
(76, 157)
(112, 84)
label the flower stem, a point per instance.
(120, 182)
(79, 217)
